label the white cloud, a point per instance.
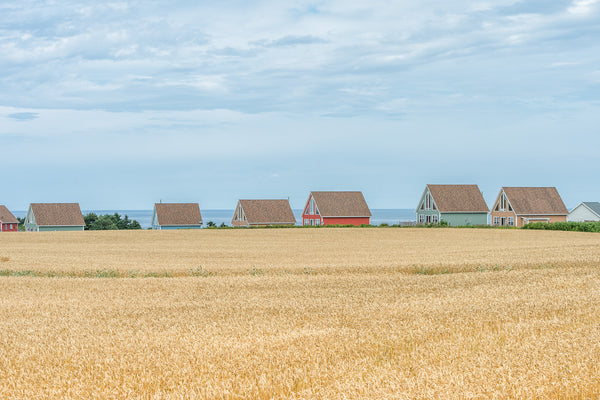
(583, 7)
(225, 81)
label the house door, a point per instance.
(503, 221)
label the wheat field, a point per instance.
(302, 314)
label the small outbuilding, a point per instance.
(518, 206)
(54, 217)
(336, 208)
(458, 205)
(176, 216)
(8, 222)
(587, 211)
(263, 213)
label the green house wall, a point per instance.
(52, 228)
(426, 213)
(465, 219)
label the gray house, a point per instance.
(54, 217)
(585, 211)
(458, 205)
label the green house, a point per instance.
(458, 205)
(54, 217)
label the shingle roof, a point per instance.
(57, 214)
(178, 213)
(341, 204)
(6, 217)
(268, 212)
(458, 198)
(594, 206)
(535, 200)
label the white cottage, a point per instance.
(585, 211)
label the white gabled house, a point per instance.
(587, 211)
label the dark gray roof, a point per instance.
(594, 206)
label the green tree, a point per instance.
(103, 223)
(94, 222)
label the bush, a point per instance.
(565, 226)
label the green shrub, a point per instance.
(565, 226)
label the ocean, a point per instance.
(144, 217)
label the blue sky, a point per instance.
(117, 105)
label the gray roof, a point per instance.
(594, 206)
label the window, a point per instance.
(434, 219)
(511, 221)
(421, 218)
(428, 203)
(504, 203)
(496, 221)
(317, 222)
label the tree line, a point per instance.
(94, 222)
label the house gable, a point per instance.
(30, 223)
(155, 224)
(593, 206)
(311, 216)
(239, 217)
(427, 202)
(585, 211)
(502, 203)
(427, 210)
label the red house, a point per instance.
(8, 222)
(336, 208)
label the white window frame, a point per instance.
(496, 221)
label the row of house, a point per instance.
(457, 205)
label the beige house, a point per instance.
(518, 206)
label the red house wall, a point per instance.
(346, 220)
(6, 227)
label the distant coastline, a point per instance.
(144, 217)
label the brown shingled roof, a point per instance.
(6, 217)
(535, 200)
(178, 213)
(268, 212)
(57, 214)
(341, 204)
(458, 198)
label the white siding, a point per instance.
(582, 213)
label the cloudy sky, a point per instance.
(118, 105)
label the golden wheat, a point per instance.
(520, 324)
(230, 252)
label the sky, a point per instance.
(118, 105)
